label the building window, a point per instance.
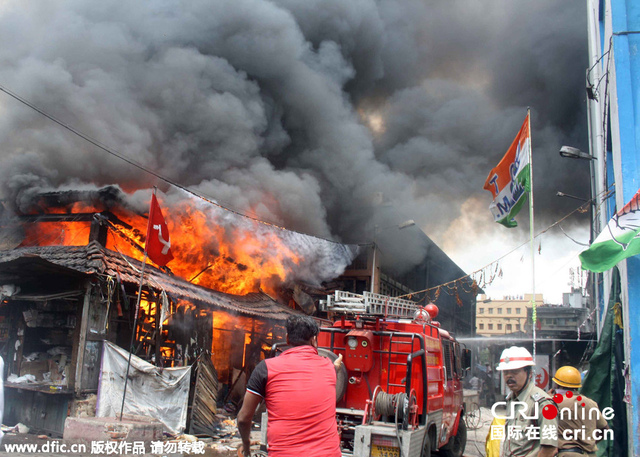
(517, 310)
(499, 310)
(499, 326)
(508, 327)
(481, 326)
(508, 310)
(518, 327)
(481, 311)
(490, 326)
(490, 310)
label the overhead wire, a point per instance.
(572, 239)
(605, 108)
(449, 285)
(139, 166)
(606, 74)
(452, 284)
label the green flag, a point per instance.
(604, 383)
(619, 240)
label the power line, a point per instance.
(467, 276)
(237, 212)
(108, 150)
(572, 239)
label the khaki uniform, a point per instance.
(523, 437)
(573, 417)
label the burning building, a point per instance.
(70, 268)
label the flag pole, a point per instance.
(135, 320)
(534, 316)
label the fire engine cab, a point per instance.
(399, 390)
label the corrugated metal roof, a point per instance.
(95, 259)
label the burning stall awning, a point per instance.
(95, 259)
(212, 247)
(67, 299)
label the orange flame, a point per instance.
(229, 259)
(56, 234)
(235, 261)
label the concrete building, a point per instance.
(560, 322)
(614, 141)
(497, 317)
(403, 261)
(575, 298)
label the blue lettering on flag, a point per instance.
(505, 206)
(513, 168)
(494, 181)
(507, 203)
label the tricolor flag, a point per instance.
(158, 244)
(509, 180)
(620, 239)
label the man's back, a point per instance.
(580, 423)
(299, 388)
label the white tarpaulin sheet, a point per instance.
(161, 393)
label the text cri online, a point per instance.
(551, 412)
(522, 409)
(548, 432)
(582, 434)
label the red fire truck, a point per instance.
(399, 391)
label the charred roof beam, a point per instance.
(58, 217)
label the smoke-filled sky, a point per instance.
(306, 113)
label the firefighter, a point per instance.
(299, 388)
(527, 434)
(576, 435)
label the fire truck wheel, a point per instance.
(426, 446)
(455, 446)
(341, 378)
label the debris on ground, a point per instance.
(223, 442)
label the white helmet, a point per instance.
(515, 357)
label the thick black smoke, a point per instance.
(308, 114)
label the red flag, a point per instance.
(158, 245)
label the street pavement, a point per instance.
(476, 438)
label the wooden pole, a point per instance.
(133, 333)
(135, 316)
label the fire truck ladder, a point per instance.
(421, 354)
(368, 304)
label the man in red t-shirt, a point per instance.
(299, 388)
